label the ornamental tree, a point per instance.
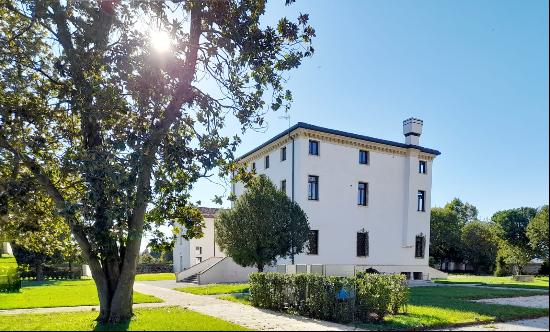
(480, 244)
(114, 131)
(263, 225)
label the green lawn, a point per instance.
(67, 293)
(539, 283)
(7, 262)
(433, 307)
(155, 276)
(238, 298)
(157, 319)
(215, 289)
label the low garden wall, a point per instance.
(365, 297)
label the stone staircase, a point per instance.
(191, 275)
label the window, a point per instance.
(362, 193)
(253, 167)
(266, 162)
(420, 243)
(283, 153)
(362, 244)
(421, 200)
(313, 242)
(313, 147)
(363, 157)
(198, 250)
(313, 188)
(198, 260)
(422, 167)
(283, 186)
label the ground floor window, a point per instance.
(420, 243)
(362, 244)
(313, 242)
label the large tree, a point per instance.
(445, 228)
(481, 243)
(514, 225)
(105, 125)
(537, 232)
(263, 225)
(466, 211)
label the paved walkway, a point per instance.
(540, 301)
(539, 324)
(244, 315)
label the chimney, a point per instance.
(412, 129)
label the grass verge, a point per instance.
(238, 298)
(435, 307)
(215, 289)
(145, 319)
(57, 293)
(155, 276)
(507, 282)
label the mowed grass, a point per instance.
(215, 289)
(508, 282)
(155, 276)
(434, 307)
(237, 298)
(145, 319)
(7, 262)
(66, 293)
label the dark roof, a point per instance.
(339, 133)
(209, 212)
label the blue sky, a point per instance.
(476, 72)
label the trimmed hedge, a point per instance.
(9, 276)
(366, 297)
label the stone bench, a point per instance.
(524, 278)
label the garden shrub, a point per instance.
(10, 280)
(365, 297)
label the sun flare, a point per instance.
(160, 40)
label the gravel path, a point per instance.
(244, 315)
(539, 324)
(540, 301)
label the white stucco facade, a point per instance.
(397, 229)
(391, 216)
(189, 253)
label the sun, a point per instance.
(160, 40)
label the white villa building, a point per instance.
(367, 199)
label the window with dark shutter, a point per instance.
(422, 167)
(283, 153)
(313, 242)
(363, 157)
(283, 186)
(421, 200)
(253, 167)
(313, 187)
(313, 147)
(420, 243)
(362, 244)
(362, 193)
(266, 162)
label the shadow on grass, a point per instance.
(113, 327)
(33, 283)
(511, 285)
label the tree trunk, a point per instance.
(260, 267)
(39, 272)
